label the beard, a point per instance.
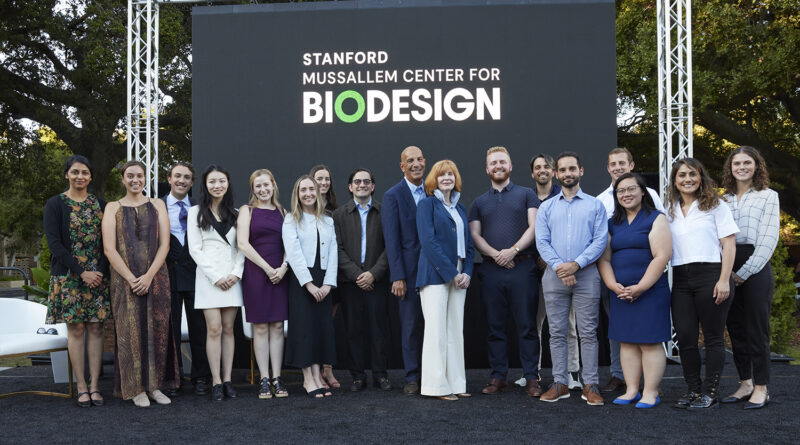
(570, 183)
(499, 176)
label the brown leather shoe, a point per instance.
(532, 388)
(556, 392)
(592, 395)
(495, 386)
(614, 385)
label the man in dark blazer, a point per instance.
(363, 280)
(399, 218)
(181, 269)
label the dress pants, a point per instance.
(443, 369)
(367, 323)
(584, 297)
(196, 323)
(693, 303)
(514, 290)
(412, 326)
(574, 363)
(748, 320)
(616, 365)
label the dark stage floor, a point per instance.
(373, 416)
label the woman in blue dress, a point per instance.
(632, 267)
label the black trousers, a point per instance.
(515, 290)
(367, 320)
(693, 303)
(748, 320)
(196, 322)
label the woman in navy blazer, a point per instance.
(443, 275)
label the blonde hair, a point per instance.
(438, 169)
(297, 207)
(274, 199)
(498, 149)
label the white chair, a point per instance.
(19, 321)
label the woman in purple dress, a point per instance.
(264, 290)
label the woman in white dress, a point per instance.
(211, 234)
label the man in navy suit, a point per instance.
(399, 220)
(181, 269)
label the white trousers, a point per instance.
(443, 344)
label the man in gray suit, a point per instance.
(363, 280)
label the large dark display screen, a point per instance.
(350, 84)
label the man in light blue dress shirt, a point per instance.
(571, 234)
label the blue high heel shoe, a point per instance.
(647, 405)
(621, 401)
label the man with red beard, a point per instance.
(501, 222)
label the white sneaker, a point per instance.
(574, 381)
(521, 382)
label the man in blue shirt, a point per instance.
(363, 281)
(542, 170)
(571, 234)
(399, 219)
(501, 223)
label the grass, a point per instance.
(14, 362)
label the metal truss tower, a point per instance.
(674, 96)
(143, 94)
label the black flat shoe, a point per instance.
(85, 404)
(734, 399)
(703, 402)
(686, 400)
(227, 389)
(216, 393)
(751, 405)
(358, 385)
(96, 402)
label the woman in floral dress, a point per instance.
(78, 274)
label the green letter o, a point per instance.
(349, 118)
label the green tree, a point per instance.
(746, 87)
(63, 67)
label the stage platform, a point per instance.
(373, 416)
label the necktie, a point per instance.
(182, 216)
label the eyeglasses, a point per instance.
(51, 331)
(631, 189)
(362, 181)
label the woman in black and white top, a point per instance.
(703, 248)
(756, 212)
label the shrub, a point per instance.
(781, 320)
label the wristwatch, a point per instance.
(516, 248)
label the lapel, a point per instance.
(406, 193)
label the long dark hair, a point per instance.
(707, 196)
(227, 212)
(330, 196)
(647, 201)
(760, 175)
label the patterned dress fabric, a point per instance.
(71, 300)
(144, 359)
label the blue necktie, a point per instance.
(183, 215)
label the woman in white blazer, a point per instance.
(310, 243)
(211, 235)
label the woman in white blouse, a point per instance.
(756, 212)
(703, 249)
(309, 239)
(211, 235)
